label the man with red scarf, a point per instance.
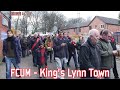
(35, 43)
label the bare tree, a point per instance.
(35, 20)
(60, 21)
(24, 23)
(88, 19)
(16, 21)
(44, 21)
(74, 21)
(51, 19)
(48, 21)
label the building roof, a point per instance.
(104, 19)
(77, 25)
(108, 20)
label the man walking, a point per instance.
(106, 50)
(11, 51)
(89, 53)
(35, 43)
(60, 47)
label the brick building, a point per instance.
(98, 22)
(3, 29)
(111, 24)
(76, 29)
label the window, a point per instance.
(102, 26)
(79, 30)
(74, 30)
(95, 26)
(3, 35)
(4, 21)
(90, 27)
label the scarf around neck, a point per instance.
(11, 39)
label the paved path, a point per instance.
(27, 63)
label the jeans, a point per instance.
(8, 66)
(59, 62)
(64, 62)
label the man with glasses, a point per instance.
(106, 51)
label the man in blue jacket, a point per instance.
(11, 52)
(60, 48)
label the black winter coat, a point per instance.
(89, 56)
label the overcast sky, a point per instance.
(92, 14)
(86, 14)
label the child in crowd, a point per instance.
(42, 58)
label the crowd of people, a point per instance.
(98, 51)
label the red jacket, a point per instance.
(42, 55)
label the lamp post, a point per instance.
(9, 22)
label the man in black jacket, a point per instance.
(67, 42)
(35, 43)
(90, 54)
(29, 38)
(72, 53)
(23, 45)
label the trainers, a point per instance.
(62, 78)
(116, 77)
